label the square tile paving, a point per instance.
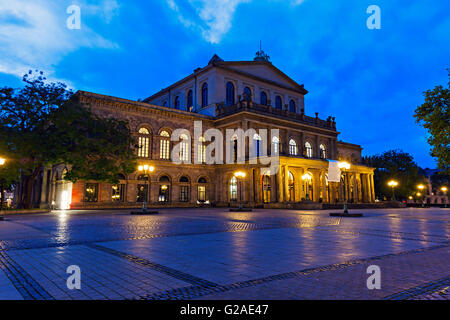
(216, 254)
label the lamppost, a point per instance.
(343, 165)
(393, 184)
(146, 169)
(421, 187)
(2, 162)
(444, 191)
(239, 176)
(307, 177)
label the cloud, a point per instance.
(213, 17)
(33, 34)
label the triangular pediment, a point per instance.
(263, 70)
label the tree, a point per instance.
(395, 165)
(434, 115)
(45, 124)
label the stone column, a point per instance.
(355, 188)
(286, 183)
(251, 184)
(273, 188)
(280, 184)
(316, 186)
(373, 187)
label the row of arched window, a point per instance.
(263, 100)
(164, 150)
(118, 191)
(190, 99)
(230, 98)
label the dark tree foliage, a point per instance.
(439, 180)
(395, 165)
(44, 124)
(434, 115)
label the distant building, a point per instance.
(222, 95)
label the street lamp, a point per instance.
(343, 165)
(307, 177)
(444, 191)
(421, 187)
(393, 184)
(240, 175)
(146, 169)
(2, 162)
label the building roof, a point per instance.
(217, 62)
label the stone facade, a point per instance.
(306, 144)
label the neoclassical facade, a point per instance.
(224, 95)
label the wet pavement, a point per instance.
(217, 254)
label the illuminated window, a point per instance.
(142, 192)
(275, 146)
(118, 193)
(184, 148)
(308, 150)
(201, 150)
(143, 143)
(256, 145)
(233, 189)
(293, 147)
(323, 152)
(91, 192)
(291, 187)
(164, 152)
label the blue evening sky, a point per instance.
(370, 80)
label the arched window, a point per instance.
(263, 98)
(308, 149)
(202, 190)
(323, 152)
(292, 106)
(201, 150)
(176, 102)
(278, 102)
(275, 146)
(204, 95)
(164, 189)
(266, 188)
(291, 187)
(121, 176)
(247, 94)
(184, 189)
(293, 147)
(184, 148)
(190, 101)
(184, 179)
(234, 146)
(230, 94)
(164, 152)
(143, 143)
(233, 189)
(256, 145)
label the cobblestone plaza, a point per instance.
(217, 254)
